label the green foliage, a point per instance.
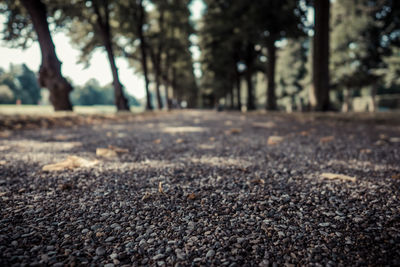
(92, 94)
(291, 67)
(23, 84)
(363, 36)
(234, 35)
(6, 95)
(391, 75)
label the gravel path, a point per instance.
(203, 188)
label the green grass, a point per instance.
(45, 110)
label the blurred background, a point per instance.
(288, 55)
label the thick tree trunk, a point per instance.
(319, 95)
(50, 75)
(104, 25)
(271, 99)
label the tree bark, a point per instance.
(271, 98)
(238, 93)
(250, 96)
(319, 91)
(249, 73)
(143, 51)
(167, 82)
(104, 26)
(232, 96)
(50, 75)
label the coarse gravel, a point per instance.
(202, 188)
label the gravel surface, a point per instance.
(203, 188)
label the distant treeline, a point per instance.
(19, 85)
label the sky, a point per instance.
(99, 67)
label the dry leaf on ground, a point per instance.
(179, 140)
(396, 176)
(236, 130)
(106, 152)
(118, 149)
(228, 123)
(267, 125)
(3, 148)
(3, 162)
(71, 162)
(191, 196)
(211, 138)
(274, 140)
(257, 181)
(146, 196)
(366, 151)
(157, 141)
(5, 134)
(233, 131)
(383, 136)
(327, 139)
(61, 137)
(380, 142)
(343, 177)
(160, 189)
(394, 139)
(111, 151)
(65, 186)
(304, 133)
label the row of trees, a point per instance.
(354, 45)
(153, 35)
(19, 85)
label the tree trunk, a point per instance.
(104, 26)
(50, 75)
(232, 95)
(157, 59)
(271, 99)
(176, 94)
(143, 51)
(238, 93)
(249, 73)
(167, 82)
(250, 97)
(319, 95)
(120, 100)
(159, 101)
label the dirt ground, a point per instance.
(192, 188)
